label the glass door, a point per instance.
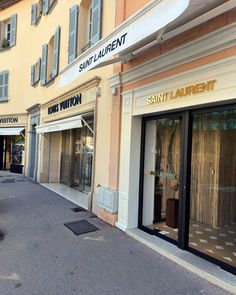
(161, 176)
(212, 227)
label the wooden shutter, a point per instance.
(13, 30)
(38, 70)
(55, 66)
(34, 14)
(44, 64)
(1, 85)
(45, 6)
(32, 75)
(40, 8)
(73, 33)
(96, 20)
(4, 81)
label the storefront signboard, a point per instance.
(13, 120)
(65, 104)
(182, 92)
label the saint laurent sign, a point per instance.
(182, 92)
(65, 104)
(132, 33)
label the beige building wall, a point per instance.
(18, 60)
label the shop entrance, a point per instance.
(188, 192)
(162, 175)
(12, 153)
(77, 157)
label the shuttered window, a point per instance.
(13, 30)
(46, 5)
(34, 13)
(4, 81)
(35, 72)
(32, 75)
(96, 21)
(38, 70)
(44, 64)
(55, 67)
(73, 33)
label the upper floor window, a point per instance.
(84, 27)
(4, 81)
(36, 12)
(48, 5)
(50, 58)
(8, 32)
(35, 72)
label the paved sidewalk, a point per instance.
(40, 256)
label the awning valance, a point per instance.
(59, 125)
(11, 131)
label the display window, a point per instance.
(77, 157)
(188, 181)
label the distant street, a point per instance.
(40, 256)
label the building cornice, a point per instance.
(216, 41)
(7, 3)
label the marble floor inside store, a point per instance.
(218, 242)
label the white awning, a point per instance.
(136, 30)
(11, 131)
(59, 125)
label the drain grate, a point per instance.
(81, 227)
(8, 181)
(78, 209)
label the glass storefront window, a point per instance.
(77, 157)
(212, 228)
(14, 151)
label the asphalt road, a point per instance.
(40, 256)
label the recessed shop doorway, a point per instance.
(77, 157)
(188, 181)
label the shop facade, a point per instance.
(13, 129)
(67, 139)
(177, 157)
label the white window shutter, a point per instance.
(13, 30)
(38, 70)
(34, 14)
(45, 6)
(55, 66)
(32, 75)
(96, 20)
(44, 64)
(73, 33)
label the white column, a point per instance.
(129, 166)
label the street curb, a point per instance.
(147, 240)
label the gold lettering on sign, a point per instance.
(182, 92)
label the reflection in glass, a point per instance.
(161, 176)
(213, 185)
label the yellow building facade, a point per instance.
(56, 135)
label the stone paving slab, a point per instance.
(40, 256)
